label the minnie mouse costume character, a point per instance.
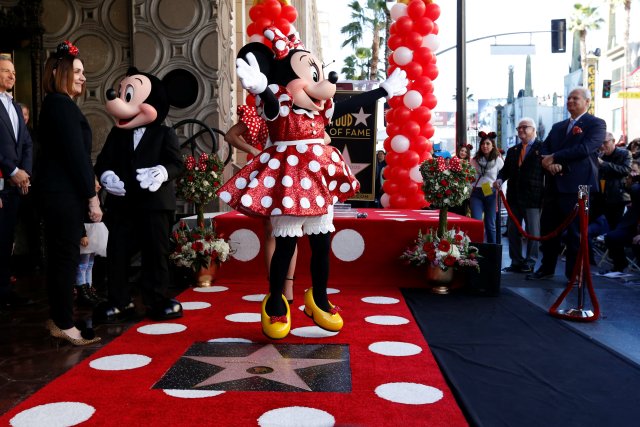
(137, 167)
(297, 180)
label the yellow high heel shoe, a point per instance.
(330, 321)
(275, 327)
(58, 333)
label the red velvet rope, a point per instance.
(554, 233)
(581, 273)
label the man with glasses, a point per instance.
(525, 184)
(15, 165)
(570, 158)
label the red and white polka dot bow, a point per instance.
(281, 44)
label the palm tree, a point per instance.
(375, 18)
(357, 65)
(470, 96)
(584, 18)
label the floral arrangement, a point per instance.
(446, 182)
(198, 247)
(452, 250)
(201, 179)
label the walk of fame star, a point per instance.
(259, 367)
(361, 117)
(356, 168)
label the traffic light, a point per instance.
(606, 88)
(558, 35)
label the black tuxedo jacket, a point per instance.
(14, 153)
(576, 151)
(158, 146)
(525, 185)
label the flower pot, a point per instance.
(439, 279)
(206, 276)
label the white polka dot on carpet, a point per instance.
(161, 328)
(395, 348)
(193, 394)
(409, 393)
(387, 320)
(57, 414)
(380, 300)
(211, 289)
(295, 416)
(243, 317)
(312, 332)
(120, 362)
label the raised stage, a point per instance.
(368, 248)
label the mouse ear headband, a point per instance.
(281, 44)
(65, 49)
(483, 135)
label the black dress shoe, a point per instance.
(166, 310)
(513, 269)
(87, 296)
(539, 275)
(106, 313)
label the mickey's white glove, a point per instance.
(152, 178)
(250, 75)
(396, 84)
(112, 184)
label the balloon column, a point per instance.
(413, 40)
(265, 13)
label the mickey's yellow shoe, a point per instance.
(330, 321)
(275, 327)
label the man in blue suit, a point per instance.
(570, 158)
(15, 164)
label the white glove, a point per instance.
(152, 178)
(250, 75)
(112, 183)
(396, 84)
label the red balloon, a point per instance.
(412, 40)
(431, 71)
(423, 55)
(423, 25)
(397, 201)
(263, 23)
(413, 70)
(393, 129)
(402, 175)
(395, 102)
(409, 159)
(256, 12)
(289, 13)
(272, 8)
(252, 29)
(392, 160)
(409, 190)
(404, 25)
(421, 115)
(393, 29)
(417, 201)
(422, 84)
(429, 100)
(432, 11)
(401, 115)
(387, 144)
(410, 129)
(395, 41)
(419, 144)
(389, 186)
(435, 29)
(416, 9)
(283, 25)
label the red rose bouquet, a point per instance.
(199, 182)
(198, 247)
(452, 250)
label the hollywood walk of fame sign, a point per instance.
(354, 134)
(261, 367)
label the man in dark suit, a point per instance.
(16, 161)
(525, 183)
(570, 157)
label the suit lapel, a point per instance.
(4, 115)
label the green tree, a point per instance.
(357, 65)
(373, 19)
(584, 19)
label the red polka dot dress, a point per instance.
(257, 131)
(298, 175)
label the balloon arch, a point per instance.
(413, 40)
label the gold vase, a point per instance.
(439, 279)
(207, 275)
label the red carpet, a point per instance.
(394, 377)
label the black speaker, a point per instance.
(558, 35)
(487, 280)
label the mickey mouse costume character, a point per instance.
(137, 167)
(297, 180)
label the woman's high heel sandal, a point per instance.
(291, 279)
(330, 321)
(275, 327)
(58, 333)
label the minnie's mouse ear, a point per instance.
(182, 88)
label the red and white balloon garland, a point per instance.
(266, 13)
(413, 40)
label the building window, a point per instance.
(616, 120)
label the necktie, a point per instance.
(523, 152)
(571, 123)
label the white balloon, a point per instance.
(399, 143)
(431, 41)
(398, 10)
(403, 55)
(384, 200)
(412, 99)
(414, 174)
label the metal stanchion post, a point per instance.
(583, 254)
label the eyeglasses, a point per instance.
(6, 70)
(519, 128)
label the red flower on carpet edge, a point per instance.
(576, 130)
(444, 246)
